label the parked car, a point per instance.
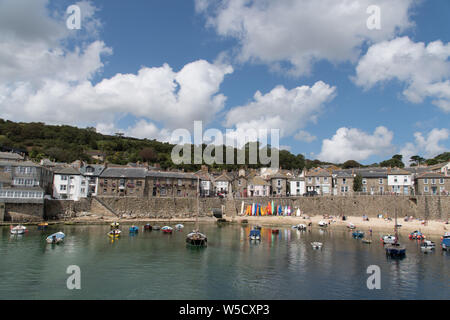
(310, 194)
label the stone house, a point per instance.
(319, 180)
(171, 184)
(343, 182)
(240, 184)
(278, 184)
(432, 183)
(374, 180)
(258, 187)
(122, 182)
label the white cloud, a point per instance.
(304, 136)
(41, 78)
(428, 146)
(303, 32)
(355, 144)
(147, 130)
(287, 110)
(424, 69)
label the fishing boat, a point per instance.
(56, 238)
(416, 235)
(445, 241)
(42, 226)
(388, 239)
(134, 229)
(317, 245)
(114, 225)
(275, 231)
(196, 238)
(167, 229)
(156, 228)
(323, 224)
(148, 227)
(179, 226)
(358, 234)
(255, 234)
(395, 249)
(20, 229)
(114, 233)
(427, 246)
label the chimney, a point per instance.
(204, 168)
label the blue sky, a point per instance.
(339, 119)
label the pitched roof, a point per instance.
(318, 172)
(258, 181)
(427, 175)
(10, 156)
(98, 169)
(171, 175)
(19, 164)
(120, 172)
(398, 172)
(66, 171)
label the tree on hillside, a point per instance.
(148, 155)
(357, 183)
(395, 161)
(418, 160)
(350, 164)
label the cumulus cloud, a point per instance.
(303, 32)
(355, 144)
(283, 109)
(428, 145)
(423, 69)
(305, 136)
(43, 78)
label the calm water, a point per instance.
(153, 265)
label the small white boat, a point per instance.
(323, 224)
(18, 229)
(167, 229)
(179, 226)
(316, 245)
(351, 226)
(56, 237)
(427, 246)
(301, 227)
(388, 239)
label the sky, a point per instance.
(350, 79)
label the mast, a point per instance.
(198, 208)
(395, 227)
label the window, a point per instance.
(405, 179)
(309, 180)
(163, 191)
(441, 180)
(381, 189)
(298, 184)
(433, 181)
(425, 181)
(425, 189)
(139, 183)
(317, 180)
(62, 187)
(380, 181)
(179, 193)
(279, 182)
(63, 178)
(395, 179)
(364, 181)
(180, 182)
(239, 182)
(364, 189)
(441, 189)
(342, 189)
(83, 190)
(325, 179)
(344, 181)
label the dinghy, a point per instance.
(388, 239)
(427, 246)
(167, 229)
(395, 249)
(114, 225)
(156, 228)
(147, 227)
(18, 229)
(179, 226)
(255, 235)
(114, 233)
(323, 224)
(351, 226)
(358, 234)
(134, 229)
(416, 235)
(56, 238)
(196, 239)
(445, 241)
(317, 245)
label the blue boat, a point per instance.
(56, 238)
(134, 229)
(358, 234)
(445, 243)
(255, 234)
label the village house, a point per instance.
(240, 184)
(319, 180)
(171, 184)
(69, 184)
(278, 184)
(92, 173)
(123, 182)
(374, 180)
(24, 181)
(297, 186)
(222, 183)
(400, 181)
(258, 187)
(10, 156)
(343, 182)
(432, 183)
(206, 184)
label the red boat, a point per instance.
(167, 229)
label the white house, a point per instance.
(297, 186)
(68, 183)
(258, 187)
(222, 184)
(400, 181)
(91, 172)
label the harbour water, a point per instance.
(153, 265)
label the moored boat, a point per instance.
(445, 241)
(148, 227)
(196, 239)
(167, 229)
(56, 238)
(255, 234)
(134, 229)
(395, 249)
(388, 239)
(427, 246)
(20, 229)
(323, 224)
(114, 233)
(317, 245)
(416, 235)
(42, 226)
(114, 225)
(156, 228)
(179, 226)
(351, 226)
(358, 234)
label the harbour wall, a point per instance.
(425, 207)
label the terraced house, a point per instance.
(374, 181)
(432, 183)
(319, 180)
(171, 184)
(122, 182)
(343, 182)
